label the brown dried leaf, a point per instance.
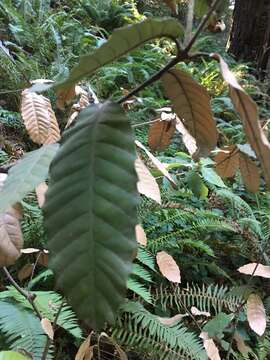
(168, 267)
(47, 327)
(192, 105)
(241, 346)
(160, 134)
(11, 239)
(188, 140)
(140, 235)
(197, 312)
(250, 173)
(172, 5)
(43, 259)
(248, 112)
(172, 320)
(261, 270)
(147, 184)
(54, 131)
(85, 351)
(65, 96)
(121, 352)
(161, 167)
(36, 116)
(41, 191)
(227, 161)
(210, 347)
(25, 272)
(256, 314)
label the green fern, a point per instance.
(139, 289)
(143, 331)
(22, 329)
(206, 298)
(48, 303)
(238, 205)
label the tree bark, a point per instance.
(250, 34)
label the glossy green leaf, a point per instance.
(23, 177)
(212, 177)
(12, 355)
(90, 212)
(196, 185)
(120, 43)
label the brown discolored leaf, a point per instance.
(168, 267)
(256, 314)
(210, 347)
(140, 235)
(36, 116)
(172, 4)
(65, 96)
(43, 258)
(241, 346)
(41, 191)
(172, 320)
(161, 167)
(121, 352)
(250, 173)
(147, 184)
(248, 112)
(188, 140)
(85, 351)
(47, 327)
(11, 239)
(227, 161)
(54, 131)
(25, 272)
(160, 134)
(255, 270)
(192, 105)
(197, 312)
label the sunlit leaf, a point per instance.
(28, 172)
(147, 184)
(188, 140)
(140, 235)
(47, 327)
(168, 267)
(160, 134)
(212, 177)
(12, 355)
(197, 312)
(256, 314)
(172, 320)
(248, 112)
(90, 212)
(191, 103)
(227, 161)
(250, 173)
(210, 347)
(161, 167)
(255, 270)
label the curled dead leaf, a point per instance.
(140, 235)
(256, 314)
(210, 347)
(188, 140)
(147, 184)
(250, 173)
(160, 134)
(168, 267)
(47, 327)
(64, 97)
(85, 351)
(255, 270)
(172, 320)
(197, 312)
(227, 161)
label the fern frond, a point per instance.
(139, 289)
(146, 258)
(141, 272)
(239, 205)
(48, 303)
(22, 329)
(141, 330)
(206, 298)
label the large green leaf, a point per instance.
(120, 43)
(90, 212)
(23, 177)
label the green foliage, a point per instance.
(11, 355)
(93, 275)
(22, 329)
(26, 175)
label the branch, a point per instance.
(27, 294)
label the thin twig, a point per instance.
(54, 325)
(189, 22)
(146, 123)
(27, 294)
(202, 25)
(10, 91)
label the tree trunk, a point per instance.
(250, 35)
